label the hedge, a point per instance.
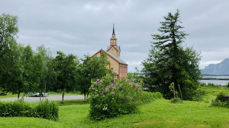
(44, 109)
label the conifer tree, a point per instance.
(170, 63)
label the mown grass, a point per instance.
(9, 95)
(157, 114)
(66, 93)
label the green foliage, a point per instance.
(90, 69)
(169, 62)
(221, 99)
(176, 100)
(8, 29)
(10, 69)
(147, 97)
(40, 73)
(110, 98)
(65, 68)
(45, 109)
(209, 84)
(159, 113)
(17, 108)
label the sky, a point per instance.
(82, 27)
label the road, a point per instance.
(50, 97)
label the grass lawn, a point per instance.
(10, 95)
(157, 114)
(66, 93)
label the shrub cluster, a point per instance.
(147, 97)
(176, 100)
(110, 98)
(45, 109)
(222, 100)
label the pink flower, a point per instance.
(101, 81)
(112, 93)
(112, 86)
(96, 90)
(92, 88)
(120, 85)
(107, 89)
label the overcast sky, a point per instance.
(84, 26)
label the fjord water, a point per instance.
(218, 82)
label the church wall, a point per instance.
(123, 70)
(113, 51)
(114, 65)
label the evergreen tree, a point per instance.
(171, 64)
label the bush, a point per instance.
(17, 108)
(176, 100)
(110, 98)
(221, 100)
(45, 109)
(147, 97)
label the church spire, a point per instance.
(113, 30)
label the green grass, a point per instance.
(212, 91)
(9, 95)
(66, 93)
(157, 114)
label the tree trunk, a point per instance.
(84, 96)
(63, 96)
(18, 95)
(181, 96)
(40, 96)
(174, 91)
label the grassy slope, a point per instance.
(157, 114)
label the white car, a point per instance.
(37, 94)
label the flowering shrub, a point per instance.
(110, 98)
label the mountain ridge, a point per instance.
(221, 68)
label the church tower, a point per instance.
(116, 64)
(114, 48)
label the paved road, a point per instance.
(50, 97)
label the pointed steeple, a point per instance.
(113, 30)
(113, 34)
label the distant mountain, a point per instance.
(221, 68)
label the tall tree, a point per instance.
(65, 68)
(90, 69)
(8, 28)
(169, 63)
(41, 60)
(9, 52)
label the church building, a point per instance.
(116, 64)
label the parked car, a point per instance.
(37, 94)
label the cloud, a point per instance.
(84, 27)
